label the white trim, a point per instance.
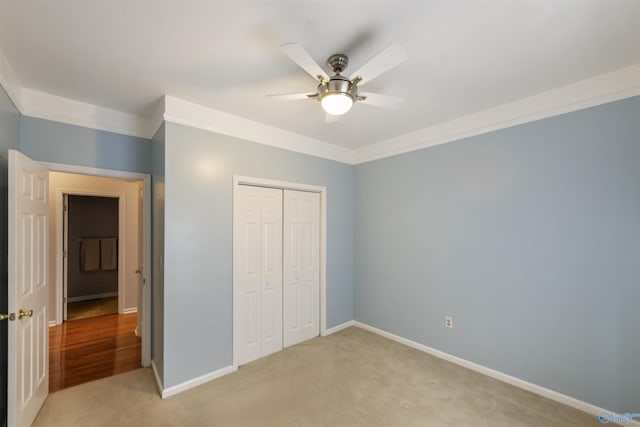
(157, 377)
(65, 110)
(171, 391)
(605, 88)
(52, 323)
(609, 87)
(146, 207)
(525, 385)
(272, 183)
(201, 117)
(90, 297)
(157, 119)
(338, 328)
(10, 82)
(285, 185)
(87, 170)
(129, 311)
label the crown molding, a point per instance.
(52, 107)
(609, 87)
(10, 82)
(198, 116)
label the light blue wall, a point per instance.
(55, 142)
(157, 297)
(9, 139)
(198, 240)
(529, 237)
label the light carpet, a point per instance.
(351, 378)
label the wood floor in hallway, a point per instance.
(88, 349)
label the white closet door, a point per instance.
(301, 266)
(257, 259)
(271, 271)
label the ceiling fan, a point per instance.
(338, 93)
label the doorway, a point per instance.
(279, 271)
(35, 275)
(98, 275)
(90, 254)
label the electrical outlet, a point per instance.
(448, 322)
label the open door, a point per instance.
(28, 379)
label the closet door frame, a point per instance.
(285, 185)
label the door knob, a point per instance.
(22, 313)
(10, 316)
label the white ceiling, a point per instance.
(464, 57)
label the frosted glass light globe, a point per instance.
(336, 104)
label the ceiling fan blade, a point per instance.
(301, 57)
(292, 96)
(383, 101)
(389, 58)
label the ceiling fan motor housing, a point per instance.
(338, 85)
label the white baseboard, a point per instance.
(94, 296)
(196, 382)
(52, 323)
(338, 328)
(533, 388)
(130, 310)
(157, 377)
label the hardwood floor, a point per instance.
(91, 308)
(84, 350)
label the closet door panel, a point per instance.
(247, 271)
(301, 266)
(271, 270)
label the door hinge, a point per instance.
(65, 254)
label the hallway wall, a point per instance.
(90, 217)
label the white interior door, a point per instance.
(28, 379)
(301, 266)
(257, 259)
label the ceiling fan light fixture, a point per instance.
(337, 95)
(336, 104)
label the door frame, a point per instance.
(146, 247)
(286, 185)
(62, 235)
